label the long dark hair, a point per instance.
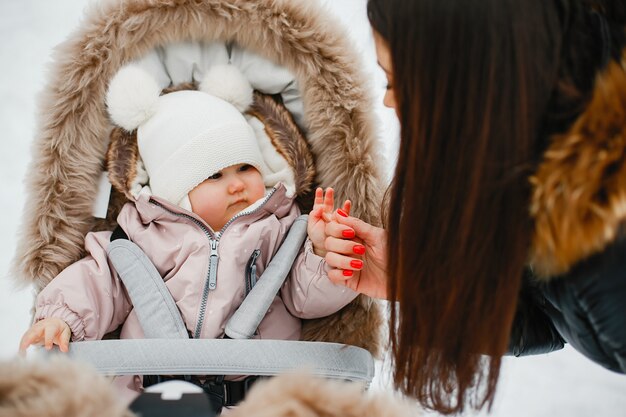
(480, 85)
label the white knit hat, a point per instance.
(186, 136)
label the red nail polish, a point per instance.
(355, 263)
(347, 273)
(358, 249)
(342, 213)
(348, 233)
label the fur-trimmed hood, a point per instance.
(72, 135)
(578, 200)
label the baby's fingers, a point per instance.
(50, 334)
(329, 200)
(316, 214)
(319, 197)
(64, 339)
(32, 336)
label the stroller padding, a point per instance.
(244, 322)
(224, 357)
(154, 305)
(183, 62)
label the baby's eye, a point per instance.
(245, 167)
(215, 176)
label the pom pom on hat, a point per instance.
(132, 97)
(185, 136)
(229, 84)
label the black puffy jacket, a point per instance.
(575, 288)
(586, 308)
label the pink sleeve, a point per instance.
(308, 293)
(87, 295)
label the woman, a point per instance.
(505, 222)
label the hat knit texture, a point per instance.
(187, 136)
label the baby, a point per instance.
(206, 190)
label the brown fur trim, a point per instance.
(357, 324)
(299, 395)
(579, 191)
(56, 387)
(121, 160)
(289, 141)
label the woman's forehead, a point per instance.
(383, 53)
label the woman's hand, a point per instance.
(47, 332)
(357, 252)
(323, 207)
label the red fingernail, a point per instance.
(358, 249)
(348, 233)
(356, 264)
(347, 273)
(342, 213)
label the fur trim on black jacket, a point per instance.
(575, 291)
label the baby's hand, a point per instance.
(323, 207)
(47, 332)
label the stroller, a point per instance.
(291, 52)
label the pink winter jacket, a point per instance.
(90, 298)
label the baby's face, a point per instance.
(226, 193)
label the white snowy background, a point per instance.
(563, 383)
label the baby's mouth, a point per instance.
(240, 201)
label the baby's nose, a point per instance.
(236, 185)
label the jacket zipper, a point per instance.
(251, 270)
(211, 281)
(213, 257)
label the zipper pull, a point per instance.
(253, 276)
(213, 264)
(255, 255)
(251, 270)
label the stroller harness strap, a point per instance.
(224, 357)
(244, 322)
(156, 310)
